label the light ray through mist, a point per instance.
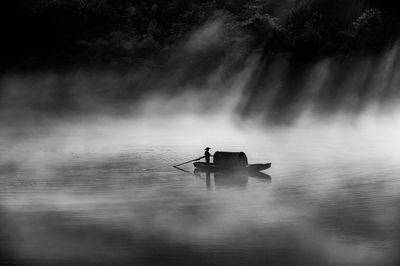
(273, 89)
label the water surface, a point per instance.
(326, 201)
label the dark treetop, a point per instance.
(126, 33)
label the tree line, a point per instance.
(128, 32)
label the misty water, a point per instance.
(104, 192)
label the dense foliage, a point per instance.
(128, 32)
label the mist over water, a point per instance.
(203, 75)
(86, 171)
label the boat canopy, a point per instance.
(230, 159)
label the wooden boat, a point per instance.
(250, 167)
(231, 161)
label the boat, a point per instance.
(231, 161)
(215, 168)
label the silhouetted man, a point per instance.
(207, 155)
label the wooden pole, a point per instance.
(189, 161)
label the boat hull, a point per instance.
(250, 167)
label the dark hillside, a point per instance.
(124, 33)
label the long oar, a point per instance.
(189, 161)
(183, 170)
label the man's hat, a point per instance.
(207, 148)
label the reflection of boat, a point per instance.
(231, 161)
(261, 176)
(215, 168)
(231, 179)
(223, 179)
